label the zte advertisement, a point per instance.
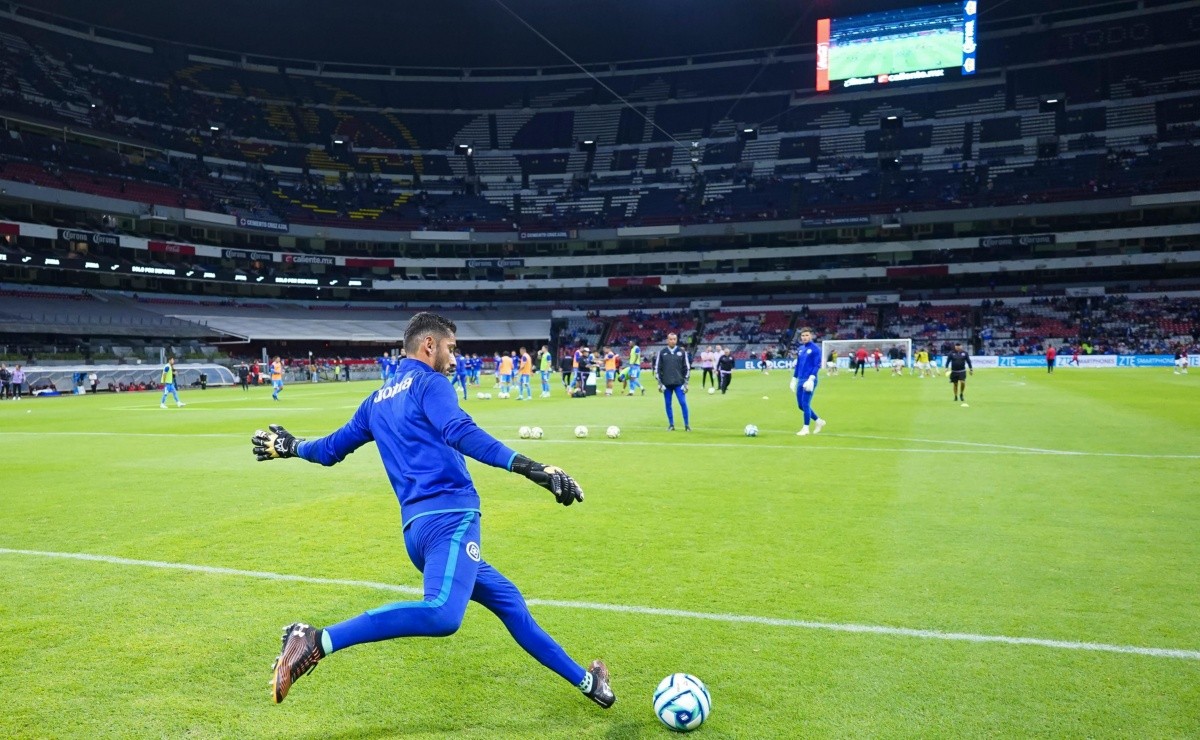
(931, 42)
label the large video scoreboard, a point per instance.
(931, 42)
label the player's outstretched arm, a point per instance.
(275, 443)
(555, 480)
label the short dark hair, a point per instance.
(425, 324)
(806, 329)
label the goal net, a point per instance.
(846, 349)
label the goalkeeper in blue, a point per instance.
(422, 435)
(804, 381)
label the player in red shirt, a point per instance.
(1051, 354)
(860, 361)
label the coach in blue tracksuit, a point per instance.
(804, 381)
(422, 435)
(671, 369)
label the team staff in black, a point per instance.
(725, 370)
(671, 369)
(959, 363)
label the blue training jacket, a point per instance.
(808, 361)
(422, 435)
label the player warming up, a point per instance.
(959, 363)
(804, 381)
(168, 384)
(422, 435)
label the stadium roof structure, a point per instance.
(485, 34)
(375, 332)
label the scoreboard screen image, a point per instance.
(931, 42)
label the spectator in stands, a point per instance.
(672, 367)
(168, 384)
(18, 382)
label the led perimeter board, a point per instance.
(932, 42)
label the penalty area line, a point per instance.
(869, 629)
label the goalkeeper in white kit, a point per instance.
(804, 381)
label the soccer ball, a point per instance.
(502, 395)
(536, 433)
(581, 431)
(487, 396)
(712, 391)
(524, 432)
(751, 430)
(613, 432)
(682, 702)
(479, 395)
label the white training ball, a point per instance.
(712, 391)
(766, 398)
(536, 433)
(751, 430)
(581, 431)
(613, 432)
(682, 702)
(524, 432)
(487, 396)
(480, 395)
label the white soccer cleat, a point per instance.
(162, 405)
(803, 432)
(180, 405)
(817, 427)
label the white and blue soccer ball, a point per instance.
(536, 433)
(613, 432)
(751, 430)
(524, 432)
(681, 702)
(581, 431)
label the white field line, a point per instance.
(645, 610)
(974, 448)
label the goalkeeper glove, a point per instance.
(278, 442)
(809, 384)
(794, 384)
(566, 491)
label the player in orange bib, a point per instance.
(276, 377)
(525, 376)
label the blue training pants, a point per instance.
(677, 391)
(445, 548)
(804, 401)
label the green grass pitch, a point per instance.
(935, 51)
(1062, 509)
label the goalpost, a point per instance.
(847, 347)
